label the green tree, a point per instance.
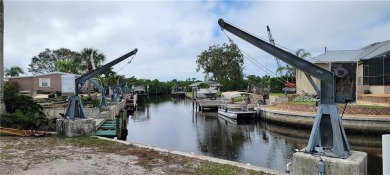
(108, 77)
(223, 64)
(66, 66)
(2, 105)
(253, 79)
(90, 59)
(265, 81)
(301, 53)
(290, 71)
(14, 71)
(45, 61)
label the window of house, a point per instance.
(366, 74)
(377, 71)
(44, 82)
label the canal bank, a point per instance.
(90, 155)
(174, 124)
(353, 123)
(200, 157)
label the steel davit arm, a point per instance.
(285, 56)
(96, 84)
(102, 68)
(327, 136)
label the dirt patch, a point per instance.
(88, 155)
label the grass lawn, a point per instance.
(279, 94)
(301, 102)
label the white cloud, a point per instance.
(170, 34)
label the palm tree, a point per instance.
(301, 53)
(2, 104)
(109, 76)
(90, 59)
(14, 71)
(290, 71)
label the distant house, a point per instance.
(367, 71)
(140, 90)
(49, 82)
(210, 92)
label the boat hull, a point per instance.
(236, 114)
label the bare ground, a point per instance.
(88, 155)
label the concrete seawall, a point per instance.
(109, 112)
(359, 124)
(55, 112)
(113, 110)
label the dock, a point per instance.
(107, 129)
(115, 125)
(131, 102)
(205, 104)
(113, 128)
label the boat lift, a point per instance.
(75, 107)
(117, 89)
(103, 101)
(327, 136)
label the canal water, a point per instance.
(174, 124)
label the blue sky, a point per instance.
(170, 34)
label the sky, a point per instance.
(169, 35)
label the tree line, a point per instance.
(220, 63)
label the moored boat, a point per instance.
(237, 105)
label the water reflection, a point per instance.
(174, 123)
(219, 138)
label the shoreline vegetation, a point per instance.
(91, 155)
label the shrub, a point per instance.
(20, 120)
(24, 112)
(303, 98)
(276, 85)
(59, 93)
(23, 103)
(40, 92)
(11, 87)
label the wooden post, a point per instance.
(118, 124)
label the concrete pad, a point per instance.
(99, 122)
(355, 164)
(76, 127)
